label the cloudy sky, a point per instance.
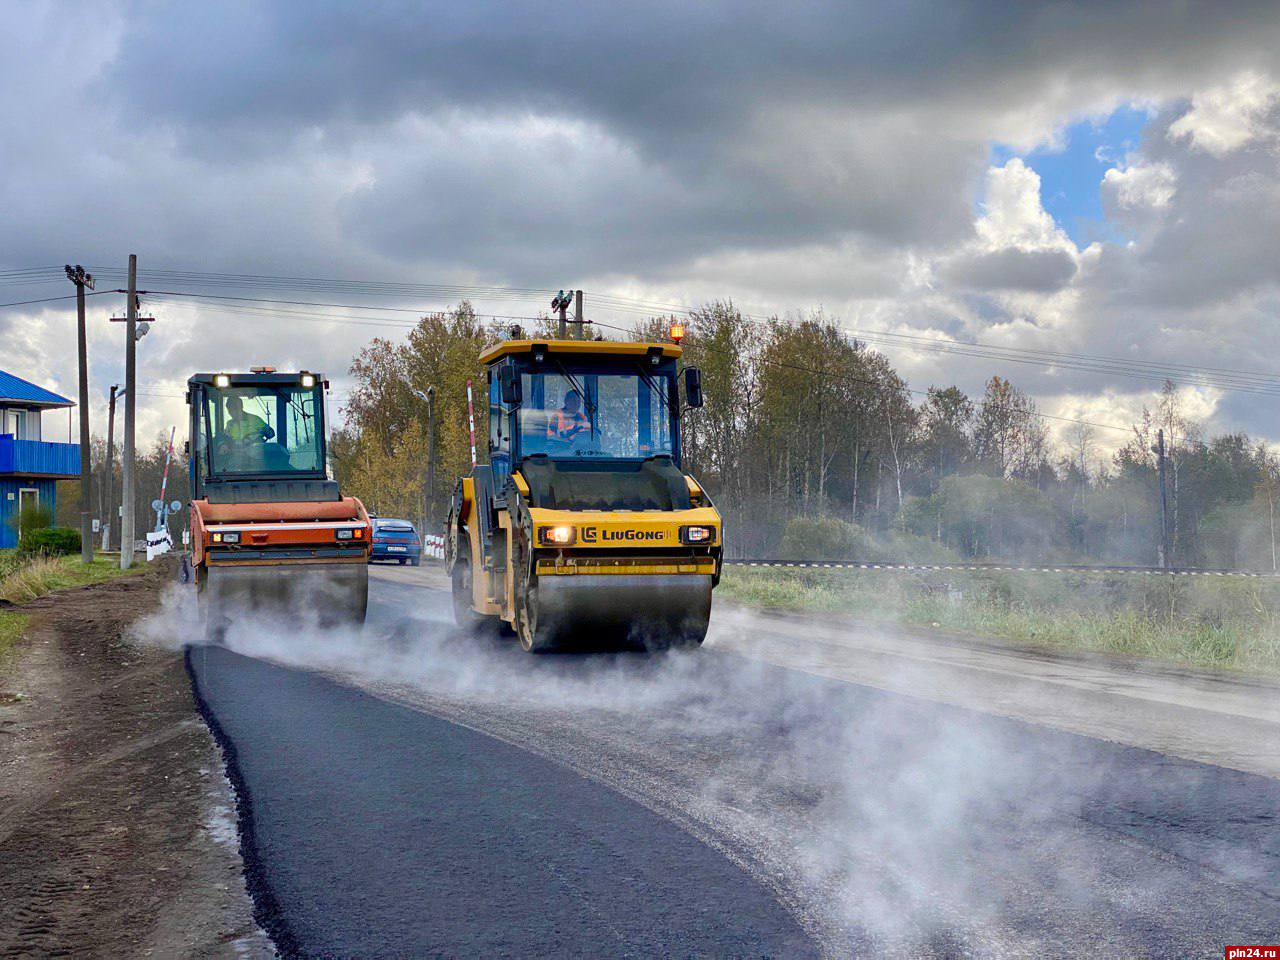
(1093, 179)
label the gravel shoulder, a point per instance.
(117, 829)
(1224, 719)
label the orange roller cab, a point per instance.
(271, 532)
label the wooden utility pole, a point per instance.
(81, 279)
(429, 398)
(130, 382)
(431, 459)
(561, 305)
(578, 318)
(1164, 503)
(109, 511)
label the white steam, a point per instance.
(888, 825)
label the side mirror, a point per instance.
(692, 387)
(509, 385)
(186, 447)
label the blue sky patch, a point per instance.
(1071, 173)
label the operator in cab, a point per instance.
(244, 433)
(568, 423)
(243, 426)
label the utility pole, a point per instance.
(109, 512)
(1164, 503)
(561, 305)
(578, 318)
(81, 279)
(130, 381)
(429, 398)
(431, 458)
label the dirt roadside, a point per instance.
(117, 826)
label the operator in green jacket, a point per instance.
(244, 433)
(243, 426)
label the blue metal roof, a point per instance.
(22, 391)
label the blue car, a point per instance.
(396, 540)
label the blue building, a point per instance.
(30, 468)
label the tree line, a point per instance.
(803, 422)
(811, 440)
(148, 477)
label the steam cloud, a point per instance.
(888, 825)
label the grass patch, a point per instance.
(12, 626)
(26, 579)
(1204, 622)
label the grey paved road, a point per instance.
(415, 792)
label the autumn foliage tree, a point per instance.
(381, 454)
(803, 422)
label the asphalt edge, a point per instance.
(267, 912)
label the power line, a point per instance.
(880, 383)
(296, 303)
(381, 288)
(1217, 377)
(630, 330)
(1070, 356)
(626, 304)
(1220, 377)
(1239, 381)
(327, 318)
(1104, 365)
(70, 296)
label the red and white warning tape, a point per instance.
(1000, 568)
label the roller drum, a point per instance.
(607, 610)
(335, 594)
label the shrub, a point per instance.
(826, 538)
(51, 541)
(31, 518)
(913, 548)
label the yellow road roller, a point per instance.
(583, 530)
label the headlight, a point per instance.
(221, 381)
(697, 534)
(226, 538)
(344, 534)
(308, 380)
(560, 536)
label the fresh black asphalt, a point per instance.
(374, 830)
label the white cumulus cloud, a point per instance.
(1228, 116)
(1141, 186)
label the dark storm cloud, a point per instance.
(1220, 236)
(772, 121)
(790, 155)
(1039, 271)
(654, 69)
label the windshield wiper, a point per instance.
(296, 406)
(662, 395)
